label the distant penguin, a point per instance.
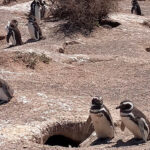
(32, 10)
(13, 33)
(6, 92)
(134, 120)
(38, 9)
(34, 29)
(135, 8)
(101, 118)
(38, 12)
(44, 10)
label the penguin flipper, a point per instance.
(122, 127)
(141, 127)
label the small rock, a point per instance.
(148, 49)
(61, 50)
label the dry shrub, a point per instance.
(83, 13)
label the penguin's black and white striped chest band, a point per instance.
(102, 122)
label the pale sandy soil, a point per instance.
(112, 63)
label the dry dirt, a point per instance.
(112, 63)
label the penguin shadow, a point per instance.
(51, 19)
(10, 46)
(33, 40)
(101, 141)
(130, 142)
(30, 41)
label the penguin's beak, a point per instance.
(118, 107)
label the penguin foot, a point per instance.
(101, 141)
(3, 102)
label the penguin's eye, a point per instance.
(127, 106)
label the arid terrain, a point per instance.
(110, 62)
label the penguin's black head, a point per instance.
(97, 103)
(13, 23)
(38, 3)
(125, 106)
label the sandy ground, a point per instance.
(112, 63)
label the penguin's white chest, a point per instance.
(102, 126)
(12, 38)
(132, 127)
(31, 30)
(3, 95)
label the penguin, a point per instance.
(6, 92)
(32, 11)
(43, 9)
(101, 118)
(36, 9)
(13, 33)
(134, 120)
(38, 12)
(135, 7)
(34, 29)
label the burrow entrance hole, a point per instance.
(65, 134)
(60, 140)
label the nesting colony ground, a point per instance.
(112, 63)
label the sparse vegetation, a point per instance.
(82, 13)
(31, 59)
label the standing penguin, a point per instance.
(6, 92)
(38, 12)
(101, 118)
(32, 11)
(135, 7)
(134, 120)
(42, 9)
(34, 29)
(36, 9)
(13, 33)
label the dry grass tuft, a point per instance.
(31, 59)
